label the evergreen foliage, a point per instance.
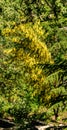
(33, 59)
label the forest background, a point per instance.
(33, 60)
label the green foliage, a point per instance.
(33, 60)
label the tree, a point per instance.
(30, 32)
(55, 96)
(23, 50)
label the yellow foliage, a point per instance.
(8, 51)
(33, 51)
(15, 39)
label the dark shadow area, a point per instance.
(6, 123)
